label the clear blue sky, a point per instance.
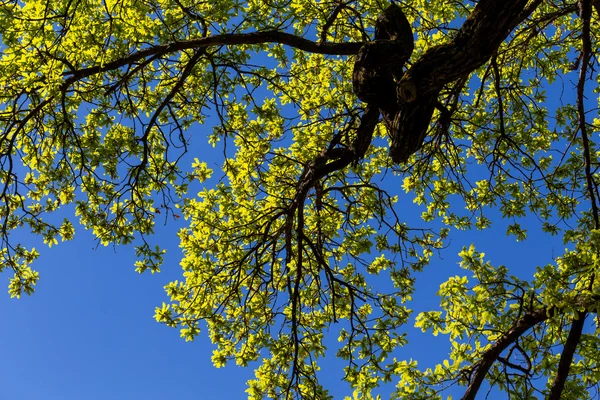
(88, 331)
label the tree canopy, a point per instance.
(325, 116)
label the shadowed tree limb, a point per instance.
(484, 30)
(480, 36)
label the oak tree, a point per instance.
(326, 115)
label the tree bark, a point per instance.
(480, 36)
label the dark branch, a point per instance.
(585, 10)
(330, 21)
(587, 304)
(222, 40)
(480, 36)
(529, 320)
(566, 358)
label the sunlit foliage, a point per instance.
(291, 240)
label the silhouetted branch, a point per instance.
(228, 39)
(564, 365)
(587, 304)
(480, 36)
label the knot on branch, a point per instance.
(407, 100)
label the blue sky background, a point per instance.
(88, 332)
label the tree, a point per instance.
(102, 99)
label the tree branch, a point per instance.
(587, 304)
(529, 320)
(480, 36)
(228, 39)
(566, 358)
(585, 10)
(564, 365)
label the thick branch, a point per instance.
(480, 36)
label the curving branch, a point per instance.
(482, 33)
(228, 39)
(585, 11)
